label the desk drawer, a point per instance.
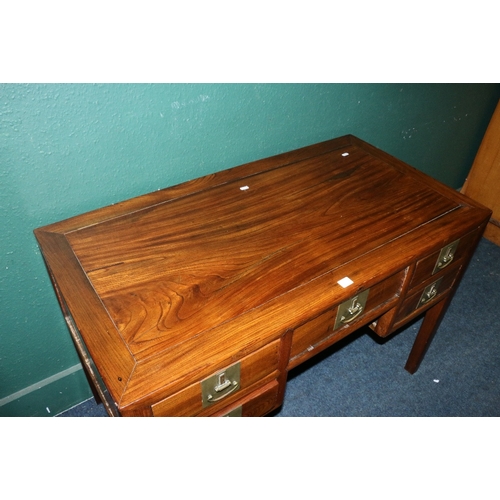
(427, 294)
(439, 261)
(321, 328)
(255, 370)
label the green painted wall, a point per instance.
(67, 149)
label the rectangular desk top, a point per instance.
(219, 266)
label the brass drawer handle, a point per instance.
(446, 260)
(351, 309)
(430, 292)
(220, 385)
(233, 386)
(354, 311)
(446, 256)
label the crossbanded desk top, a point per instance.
(251, 265)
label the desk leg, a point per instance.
(427, 330)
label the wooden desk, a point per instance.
(198, 299)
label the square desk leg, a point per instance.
(424, 337)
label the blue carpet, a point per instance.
(364, 375)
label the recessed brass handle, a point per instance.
(220, 385)
(233, 386)
(446, 256)
(446, 259)
(351, 309)
(430, 292)
(353, 312)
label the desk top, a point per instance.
(221, 265)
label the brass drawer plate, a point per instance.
(220, 385)
(429, 293)
(446, 256)
(351, 309)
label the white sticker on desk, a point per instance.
(345, 282)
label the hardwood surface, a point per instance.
(167, 289)
(483, 181)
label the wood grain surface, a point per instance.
(169, 287)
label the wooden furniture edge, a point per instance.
(75, 293)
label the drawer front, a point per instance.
(256, 404)
(255, 370)
(427, 294)
(439, 261)
(307, 336)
